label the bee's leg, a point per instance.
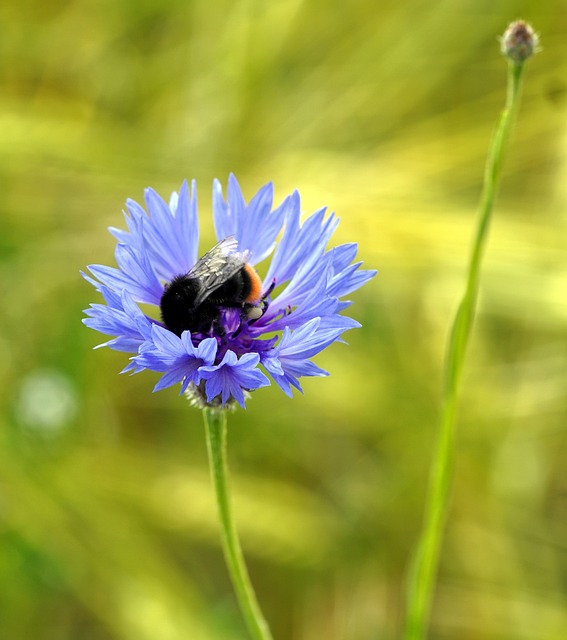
(218, 328)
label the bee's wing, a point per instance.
(216, 267)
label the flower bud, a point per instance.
(519, 41)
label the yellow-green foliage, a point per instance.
(383, 111)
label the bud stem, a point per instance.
(425, 562)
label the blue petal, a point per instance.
(225, 224)
(312, 272)
(255, 226)
(187, 225)
(160, 234)
(336, 321)
(177, 357)
(135, 275)
(174, 233)
(343, 255)
(118, 281)
(127, 345)
(349, 280)
(260, 225)
(284, 383)
(231, 376)
(289, 360)
(168, 237)
(301, 246)
(173, 376)
(120, 318)
(272, 364)
(167, 342)
(306, 289)
(307, 341)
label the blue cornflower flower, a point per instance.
(218, 347)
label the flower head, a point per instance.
(222, 328)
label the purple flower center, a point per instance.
(233, 331)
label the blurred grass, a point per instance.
(384, 113)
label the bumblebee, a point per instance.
(222, 278)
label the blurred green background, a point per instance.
(383, 111)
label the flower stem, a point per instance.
(215, 424)
(424, 565)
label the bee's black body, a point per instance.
(220, 279)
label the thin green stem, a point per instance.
(424, 566)
(215, 424)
